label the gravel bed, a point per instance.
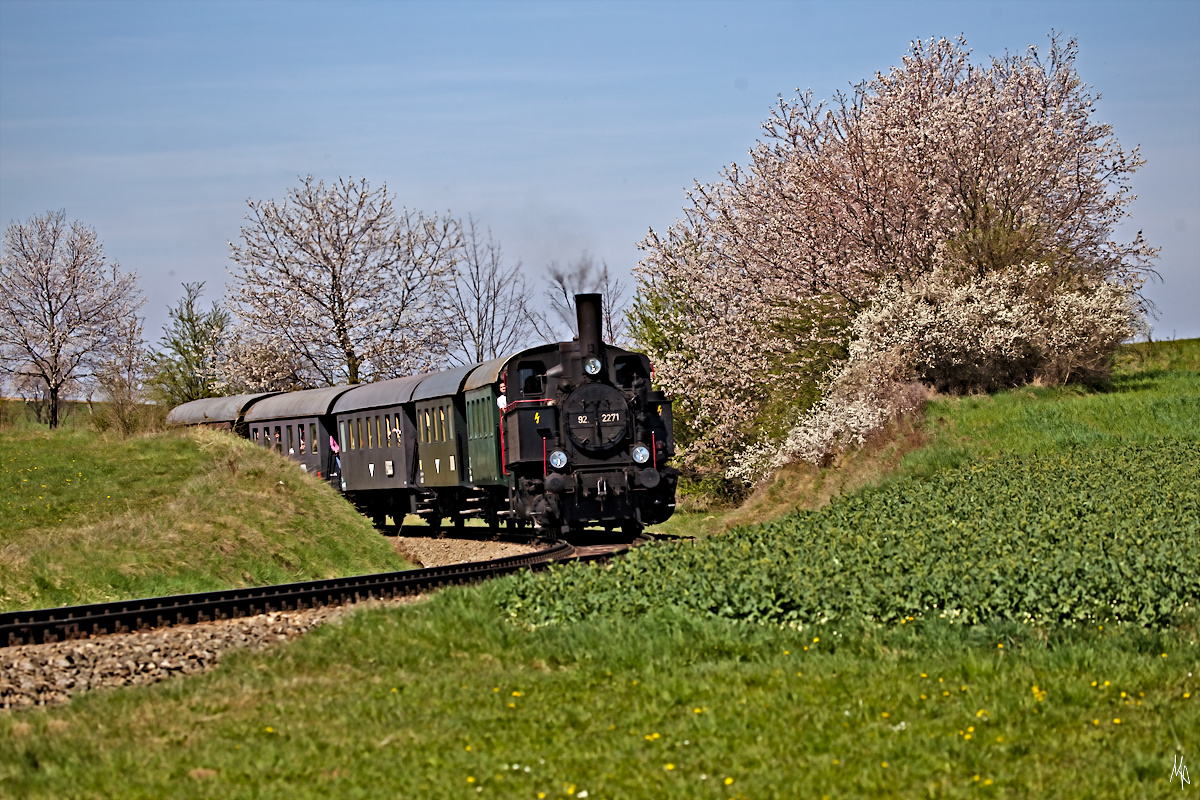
(48, 674)
(431, 552)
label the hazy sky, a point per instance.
(563, 126)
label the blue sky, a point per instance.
(563, 126)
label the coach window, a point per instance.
(530, 376)
(370, 434)
(358, 440)
(379, 431)
(301, 442)
(312, 435)
(342, 432)
(278, 439)
(254, 434)
(628, 368)
(291, 442)
(441, 424)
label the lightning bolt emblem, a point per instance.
(537, 417)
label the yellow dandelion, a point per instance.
(516, 694)
(1164, 655)
(512, 705)
(468, 748)
(981, 712)
(1106, 683)
(885, 715)
(470, 779)
(818, 638)
(1186, 695)
(975, 778)
(1122, 694)
(968, 736)
(728, 781)
(923, 697)
(971, 729)
(923, 675)
(884, 765)
(697, 710)
(1000, 646)
(987, 782)
(269, 729)
(1095, 722)
(670, 767)
(496, 689)
(1116, 721)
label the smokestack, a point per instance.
(589, 309)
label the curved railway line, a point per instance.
(76, 622)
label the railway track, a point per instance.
(76, 622)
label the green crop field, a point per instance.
(1010, 613)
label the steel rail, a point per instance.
(74, 622)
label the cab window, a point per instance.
(531, 377)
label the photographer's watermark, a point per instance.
(1178, 770)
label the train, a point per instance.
(559, 437)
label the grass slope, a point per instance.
(88, 517)
(442, 700)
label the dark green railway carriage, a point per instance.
(480, 404)
(300, 426)
(227, 413)
(442, 429)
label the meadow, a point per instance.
(650, 679)
(88, 517)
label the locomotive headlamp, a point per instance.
(641, 454)
(592, 366)
(558, 459)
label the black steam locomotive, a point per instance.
(563, 436)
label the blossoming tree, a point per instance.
(65, 310)
(334, 286)
(936, 164)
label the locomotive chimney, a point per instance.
(589, 310)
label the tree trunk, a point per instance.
(53, 407)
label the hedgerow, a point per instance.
(1086, 534)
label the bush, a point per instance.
(1000, 330)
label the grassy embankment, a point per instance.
(445, 700)
(87, 517)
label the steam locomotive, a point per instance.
(561, 437)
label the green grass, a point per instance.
(442, 699)
(417, 702)
(88, 517)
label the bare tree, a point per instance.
(62, 304)
(121, 378)
(342, 284)
(490, 300)
(583, 276)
